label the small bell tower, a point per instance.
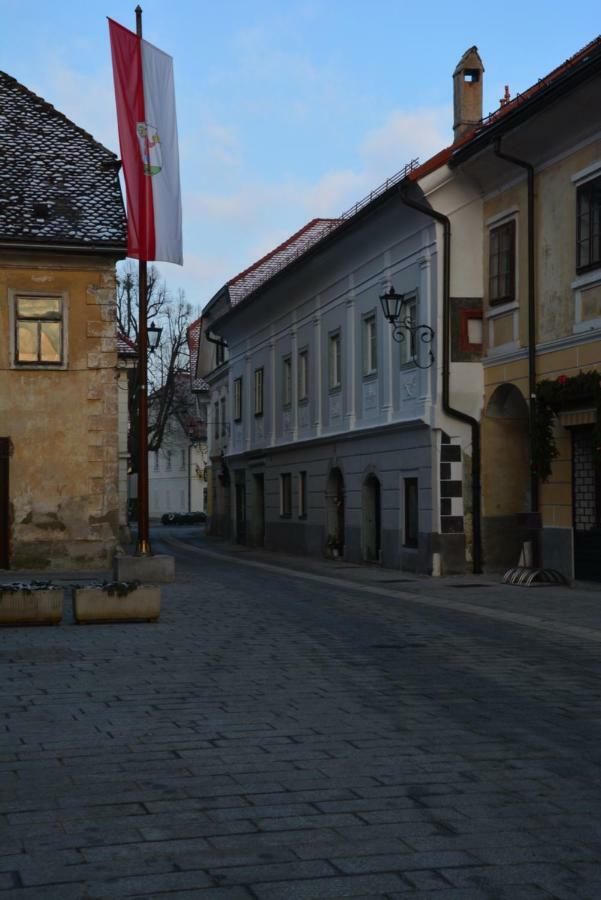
(467, 92)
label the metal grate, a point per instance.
(529, 577)
(585, 487)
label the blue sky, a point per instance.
(286, 110)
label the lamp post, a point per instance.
(398, 313)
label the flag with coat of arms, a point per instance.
(145, 97)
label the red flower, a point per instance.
(561, 379)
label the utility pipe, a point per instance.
(534, 482)
(446, 405)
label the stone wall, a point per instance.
(63, 422)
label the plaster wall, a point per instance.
(63, 423)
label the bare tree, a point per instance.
(167, 363)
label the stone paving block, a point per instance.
(288, 871)
(316, 889)
(402, 862)
(149, 884)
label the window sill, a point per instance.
(302, 516)
(587, 276)
(337, 389)
(370, 376)
(499, 309)
(410, 547)
(285, 515)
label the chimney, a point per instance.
(467, 92)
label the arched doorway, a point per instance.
(505, 476)
(372, 519)
(335, 512)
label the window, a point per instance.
(168, 460)
(303, 375)
(155, 461)
(182, 459)
(370, 345)
(302, 495)
(258, 392)
(219, 353)
(411, 512)
(501, 276)
(237, 399)
(588, 232)
(286, 494)
(286, 381)
(334, 361)
(39, 330)
(470, 331)
(223, 422)
(408, 344)
(216, 416)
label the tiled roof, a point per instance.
(193, 335)
(57, 184)
(262, 270)
(126, 347)
(505, 109)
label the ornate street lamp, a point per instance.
(397, 312)
(154, 336)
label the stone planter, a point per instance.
(97, 604)
(24, 606)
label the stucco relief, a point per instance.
(303, 415)
(370, 395)
(409, 386)
(335, 406)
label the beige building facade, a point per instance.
(538, 166)
(59, 406)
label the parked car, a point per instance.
(187, 518)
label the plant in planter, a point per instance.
(31, 603)
(117, 601)
(332, 549)
(553, 395)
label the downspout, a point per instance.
(446, 405)
(534, 482)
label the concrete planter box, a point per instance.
(96, 604)
(19, 606)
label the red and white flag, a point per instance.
(145, 95)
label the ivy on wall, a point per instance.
(553, 395)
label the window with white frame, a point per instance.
(259, 392)
(370, 345)
(335, 373)
(303, 375)
(408, 344)
(588, 233)
(39, 330)
(237, 399)
(286, 381)
(286, 494)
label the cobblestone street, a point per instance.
(287, 735)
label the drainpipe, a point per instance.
(446, 405)
(534, 484)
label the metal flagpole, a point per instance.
(143, 523)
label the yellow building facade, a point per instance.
(541, 157)
(59, 242)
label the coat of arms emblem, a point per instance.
(150, 148)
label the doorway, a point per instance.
(372, 519)
(259, 510)
(240, 509)
(4, 502)
(335, 511)
(586, 492)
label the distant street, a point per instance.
(277, 736)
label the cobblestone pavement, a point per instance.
(276, 736)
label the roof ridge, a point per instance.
(61, 115)
(279, 248)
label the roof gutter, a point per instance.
(446, 405)
(534, 482)
(105, 249)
